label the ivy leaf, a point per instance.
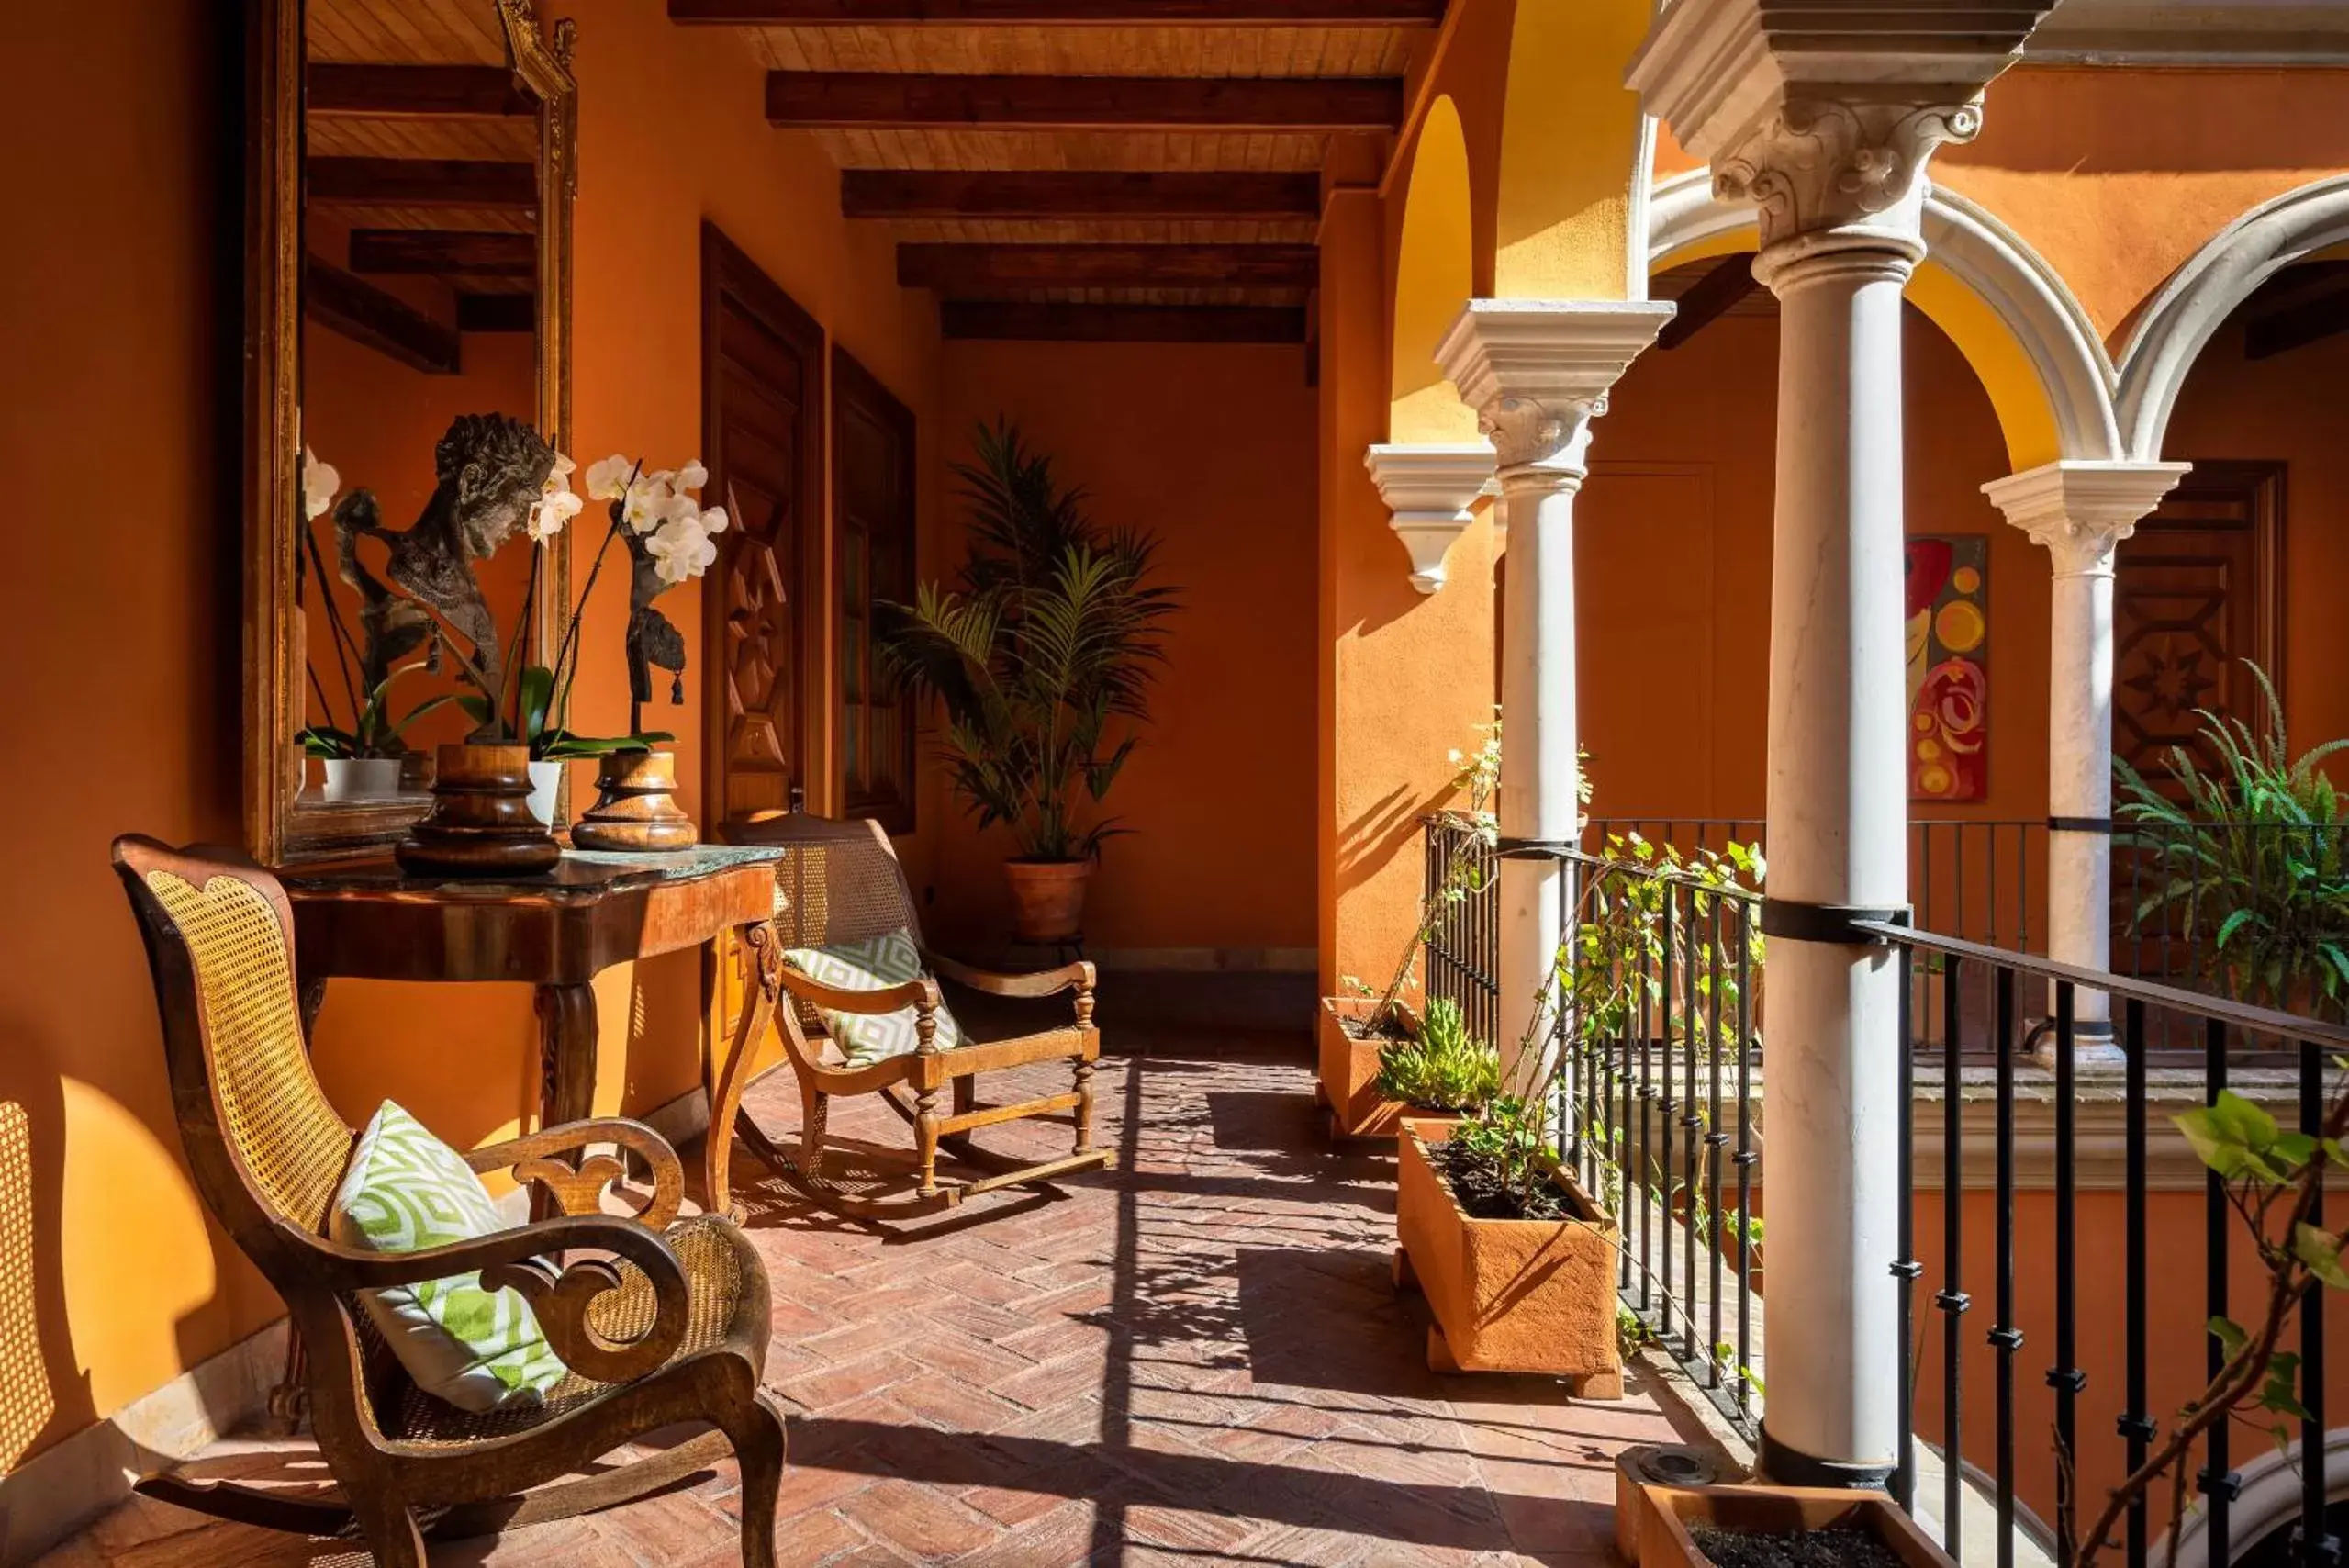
(2292, 1150)
(2320, 1250)
(2230, 1336)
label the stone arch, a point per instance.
(2269, 1498)
(1573, 153)
(2171, 331)
(2008, 312)
(1434, 275)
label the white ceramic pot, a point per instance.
(362, 777)
(545, 777)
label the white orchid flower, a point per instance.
(679, 551)
(320, 482)
(607, 478)
(692, 476)
(712, 520)
(554, 509)
(682, 509)
(648, 504)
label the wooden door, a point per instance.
(762, 416)
(873, 521)
(2197, 590)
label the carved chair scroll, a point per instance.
(841, 883)
(660, 1321)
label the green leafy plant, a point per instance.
(1047, 640)
(2247, 860)
(538, 726)
(1477, 833)
(1444, 1068)
(2272, 1180)
(374, 732)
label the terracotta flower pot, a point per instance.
(636, 806)
(480, 824)
(1523, 1295)
(1047, 899)
(1349, 1071)
(1663, 1514)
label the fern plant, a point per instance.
(1044, 647)
(2246, 860)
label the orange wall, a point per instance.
(1210, 448)
(1672, 541)
(2118, 176)
(126, 629)
(2288, 407)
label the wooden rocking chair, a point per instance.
(840, 881)
(672, 1327)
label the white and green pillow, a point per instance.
(874, 965)
(406, 1191)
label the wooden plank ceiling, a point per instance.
(1140, 170)
(419, 176)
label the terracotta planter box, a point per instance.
(1664, 1513)
(1509, 1294)
(1349, 1073)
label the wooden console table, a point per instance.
(370, 920)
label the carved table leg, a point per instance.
(762, 961)
(567, 1060)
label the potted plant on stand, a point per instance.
(1356, 1032)
(1045, 641)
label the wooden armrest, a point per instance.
(922, 993)
(517, 1260)
(1036, 983)
(578, 1185)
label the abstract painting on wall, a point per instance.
(1948, 666)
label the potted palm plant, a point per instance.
(1040, 654)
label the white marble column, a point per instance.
(1429, 487)
(1538, 371)
(2081, 512)
(1830, 144)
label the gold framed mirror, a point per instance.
(408, 203)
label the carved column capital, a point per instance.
(1429, 487)
(1538, 371)
(1820, 165)
(2081, 510)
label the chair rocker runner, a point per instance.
(839, 888)
(670, 1325)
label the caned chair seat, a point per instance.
(717, 1261)
(658, 1323)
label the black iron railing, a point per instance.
(1661, 1122)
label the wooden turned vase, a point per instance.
(636, 806)
(480, 824)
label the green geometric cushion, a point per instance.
(405, 1191)
(874, 965)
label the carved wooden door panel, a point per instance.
(873, 523)
(762, 438)
(2197, 591)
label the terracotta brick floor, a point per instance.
(1197, 1358)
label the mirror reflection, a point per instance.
(420, 394)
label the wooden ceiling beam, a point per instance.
(1122, 323)
(1064, 13)
(365, 314)
(970, 269)
(1055, 194)
(422, 182)
(497, 313)
(397, 90)
(1708, 299)
(853, 100)
(443, 253)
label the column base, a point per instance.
(1784, 1466)
(2094, 1044)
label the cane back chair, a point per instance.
(840, 881)
(659, 1320)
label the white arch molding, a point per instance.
(2270, 1498)
(1975, 248)
(2172, 330)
